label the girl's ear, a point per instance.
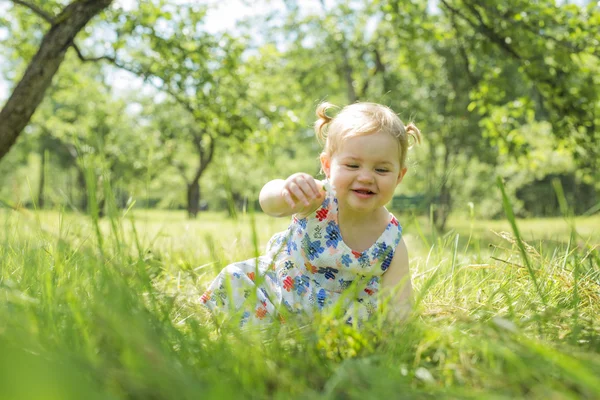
(401, 175)
(325, 164)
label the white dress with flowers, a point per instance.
(306, 268)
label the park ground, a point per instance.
(110, 309)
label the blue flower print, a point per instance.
(325, 203)
(279, 240)
(321, 296)
(346, 260)
(301, 283)
(388, 261)
(363, 260)
(288, 265)
(328, 272)
(301, 226)
(300, 290)
(333, 235)
(344, 284)
(264, 294)
(271, 275)
(378, 250)
(291, 245)
(317, 234)
(222, 297)
(313, 249)
(244, 319)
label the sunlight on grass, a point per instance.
(123, 319)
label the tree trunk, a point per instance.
(29, 92)
(205, 155)
(193, 199)
(444, 203)
(42, 178)
(443, 208)
(348, 72)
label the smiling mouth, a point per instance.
(361, 191)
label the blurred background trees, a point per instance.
(175, 113)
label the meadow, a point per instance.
(194, 104)
(109, 309)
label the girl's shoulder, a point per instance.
(394, 222)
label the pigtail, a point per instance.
(414, 132)
(323, 121)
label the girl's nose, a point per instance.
(365, 176)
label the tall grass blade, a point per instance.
(93, 209)
(508, 210)
(454, 272)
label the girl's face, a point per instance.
(364, 171)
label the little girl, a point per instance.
(342, 247)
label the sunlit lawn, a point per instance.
(174, 232)
(116, 314)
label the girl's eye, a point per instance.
(352, 166)
(381, 170)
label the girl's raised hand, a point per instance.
(301, 188)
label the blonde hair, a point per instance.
(362, 119)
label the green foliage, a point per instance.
(496, 91)
(543, 52)
(95, 129)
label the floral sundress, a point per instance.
(306, 268)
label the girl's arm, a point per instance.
(397, 285)
(298, 194)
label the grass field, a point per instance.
(111, 311)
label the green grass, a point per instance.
(116, 314)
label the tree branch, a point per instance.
(347, 72)
(530, 28)
(205, 159)
(110, 59)
(483, 28)
(379, 68)
(96, 59)
(463, 52)
(197, 139)
(29, 92)
(47, 17)
(145, 74)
